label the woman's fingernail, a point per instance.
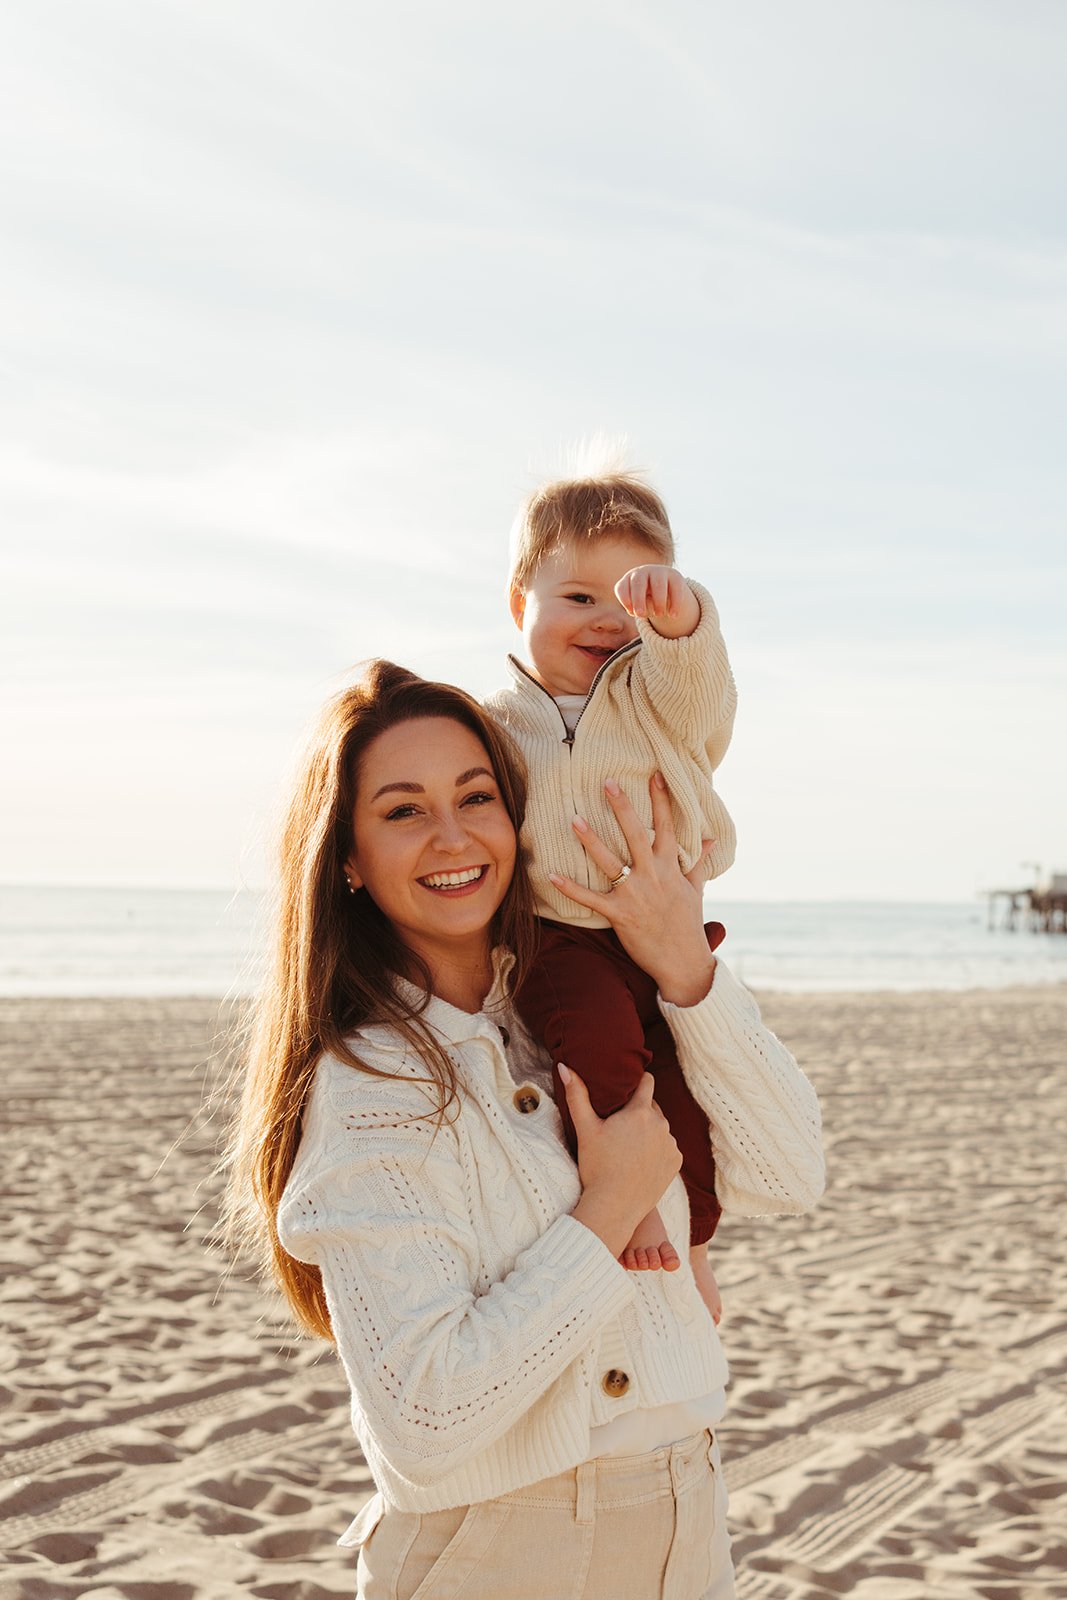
(581, 824)
(554, 877)
(564, 1072)
(657, 778)
(611, 786)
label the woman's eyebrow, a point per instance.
(416, 788)
(404, 788)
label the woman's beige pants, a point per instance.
(648, 1527)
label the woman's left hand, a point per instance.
(656, 909)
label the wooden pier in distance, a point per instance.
(1040, 909)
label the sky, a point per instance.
(298, 302)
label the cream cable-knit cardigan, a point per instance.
(475, 1318)
(666, 703)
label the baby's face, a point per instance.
(570, 617)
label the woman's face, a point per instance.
(434, 845)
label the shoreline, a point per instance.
(130, 943)
(762, 991)
(897, 1404)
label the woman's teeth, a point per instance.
(452, 880)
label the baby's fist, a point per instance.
(662, 596)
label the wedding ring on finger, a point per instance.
(623, 875)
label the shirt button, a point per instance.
(615, 1383)
(527, 1098)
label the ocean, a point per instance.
(56, 941)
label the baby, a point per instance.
(627, 674)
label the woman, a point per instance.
(537, 1419)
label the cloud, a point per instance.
(292, 302)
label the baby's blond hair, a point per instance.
(577, 511)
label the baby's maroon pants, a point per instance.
(594, 1010)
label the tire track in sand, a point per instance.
(128, 1489)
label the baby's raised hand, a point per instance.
(662, 596)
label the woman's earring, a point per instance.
(350, 888)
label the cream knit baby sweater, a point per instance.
(484, 1331)
(657, 703)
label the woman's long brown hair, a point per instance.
(335, 956)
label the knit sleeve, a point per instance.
(689, 682)
(766, 1131)
(441, 1359)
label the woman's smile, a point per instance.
(465, 881)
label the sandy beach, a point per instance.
(899, 1398)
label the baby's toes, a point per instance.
(653, 1257)
(668, 1256)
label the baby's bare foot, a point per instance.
(705, 1280)
(649, 1249)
